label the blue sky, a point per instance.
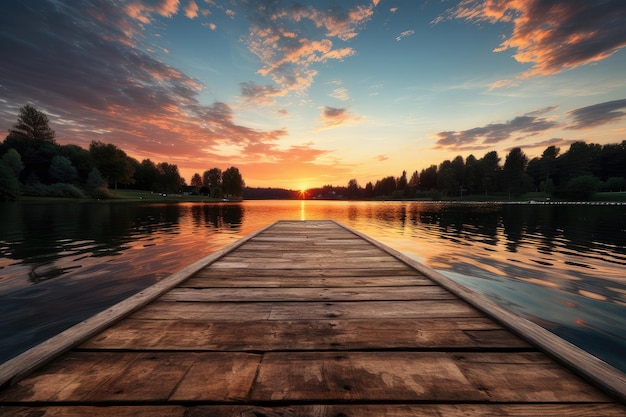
(303, 94)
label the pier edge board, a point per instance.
(581, 362)
(32, 359)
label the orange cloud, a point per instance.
(288, 53)
(141, 11)
(552, 35)
(333, 117)
(262, 95)
(191, 10)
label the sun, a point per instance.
(303, 192)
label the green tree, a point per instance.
(212, 180)
(446, 178)
(95, 185)
(10, 168)
(146, 174)
(548, 161)
(353, 190)
(514, 170)
(32, 124)
(402, 182)
(33, 139)
(613, 160)
(62, 170)
(369, 190)
(13, 160)
(80, 158)
(582, 187)
(95, 180)
(413, 185)
(428, 178)
(169, 179)
(385, 187)
(581, 159)
(489, 166)
(472, 175)
(196, 181)
(112, 162)
(232, 182)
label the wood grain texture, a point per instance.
(324, 410)
(305, 319)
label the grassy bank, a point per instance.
(130, 196)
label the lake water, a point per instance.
(559, 265)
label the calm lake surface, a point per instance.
(561, 266)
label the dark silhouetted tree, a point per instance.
(169, 179)
(489, 166)
(472, 175)
(32, 124)
(196, 181)
(232, 182)
(428, 178)
(146, 174)
(446, 178)
(212, 180)
(514, 170)
(112, 162)
(353, 190)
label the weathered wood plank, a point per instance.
(388, 267)
(310, 273)
(140, 377)
(411, 376)
(342, 253)
(222, 280)
(308, 294)
(195, 335)
(325, 410)
(306, 311)
(369, 309)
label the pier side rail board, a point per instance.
(27, 362)
(583, 363)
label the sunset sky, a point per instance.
(303, 94)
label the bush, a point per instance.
(54, 190)
(582, 187)
(9, 184)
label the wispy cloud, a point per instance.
(552, 35)
(486, 136)
(404, 34)
(541, 145)
(332, 117)
(262, 95)
(340, 93)
(288, 52)
(597, 114)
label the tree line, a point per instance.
(579, 172)
(33, 163)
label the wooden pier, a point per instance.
(307, 318)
